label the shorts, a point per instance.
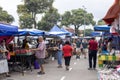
(77, 49)
(84, 50)
(40, 61)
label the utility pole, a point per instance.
(84, 19)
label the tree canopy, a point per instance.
(101, 22)
(50, 18)
(34, 7)
(5, 17)
(77, 18)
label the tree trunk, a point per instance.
(76, 30)
(33, 17)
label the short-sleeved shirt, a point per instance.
(93, 45)
(41, 52)
(78, 44)
(67, 50)
(84, 44)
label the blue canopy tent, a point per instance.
(69, 33)
(30, 32)
(102, 28)
(95, 34)
(7, 32)
(57, 31)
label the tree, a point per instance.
(26, 21)
(50, 18)
(88, 32)
(77, 18)
(101, 22)
(5, 17)
(25, 18)
(35, 7)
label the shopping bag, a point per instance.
(36, 65)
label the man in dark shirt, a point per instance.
(93, 47)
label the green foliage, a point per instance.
(32, 8)
(5, 17)
(21, 9)
(77, 18)
(50, 18)
(37, 7)
(66, 18)
(26, 21)
(101, 22)
(88, 32)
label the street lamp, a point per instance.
(84, 19)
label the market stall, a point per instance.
(24, 55)
(6, 33)
(108, 64)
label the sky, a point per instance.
(98, 8)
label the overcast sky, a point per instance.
(97, 7)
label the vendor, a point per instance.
(109, 45)
(3, 53)
(25, 44)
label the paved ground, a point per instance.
(78, 71)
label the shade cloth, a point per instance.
(95, 34)
(102, 28)
(8, 30)
(30, 32)
(57, 31)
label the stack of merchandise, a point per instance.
(23, 51)
(109, 74)
(108, 58)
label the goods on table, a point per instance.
(108, 58)
(23, 51)
(108, 74)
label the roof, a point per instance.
(113, 12)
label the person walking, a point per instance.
(78, 43)
(84, 49)
(40, 54)
(59, 54)
(67, 52)
(93, 47)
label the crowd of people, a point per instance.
(66, 49)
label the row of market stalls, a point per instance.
(109, 65)
(9, 32)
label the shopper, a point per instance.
(67, 52)
(93, 47)
(84, 46)
(59, 53)
(40, 54)
(109, 45)
(78, 51)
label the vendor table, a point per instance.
(110, 60)
(24, 56)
